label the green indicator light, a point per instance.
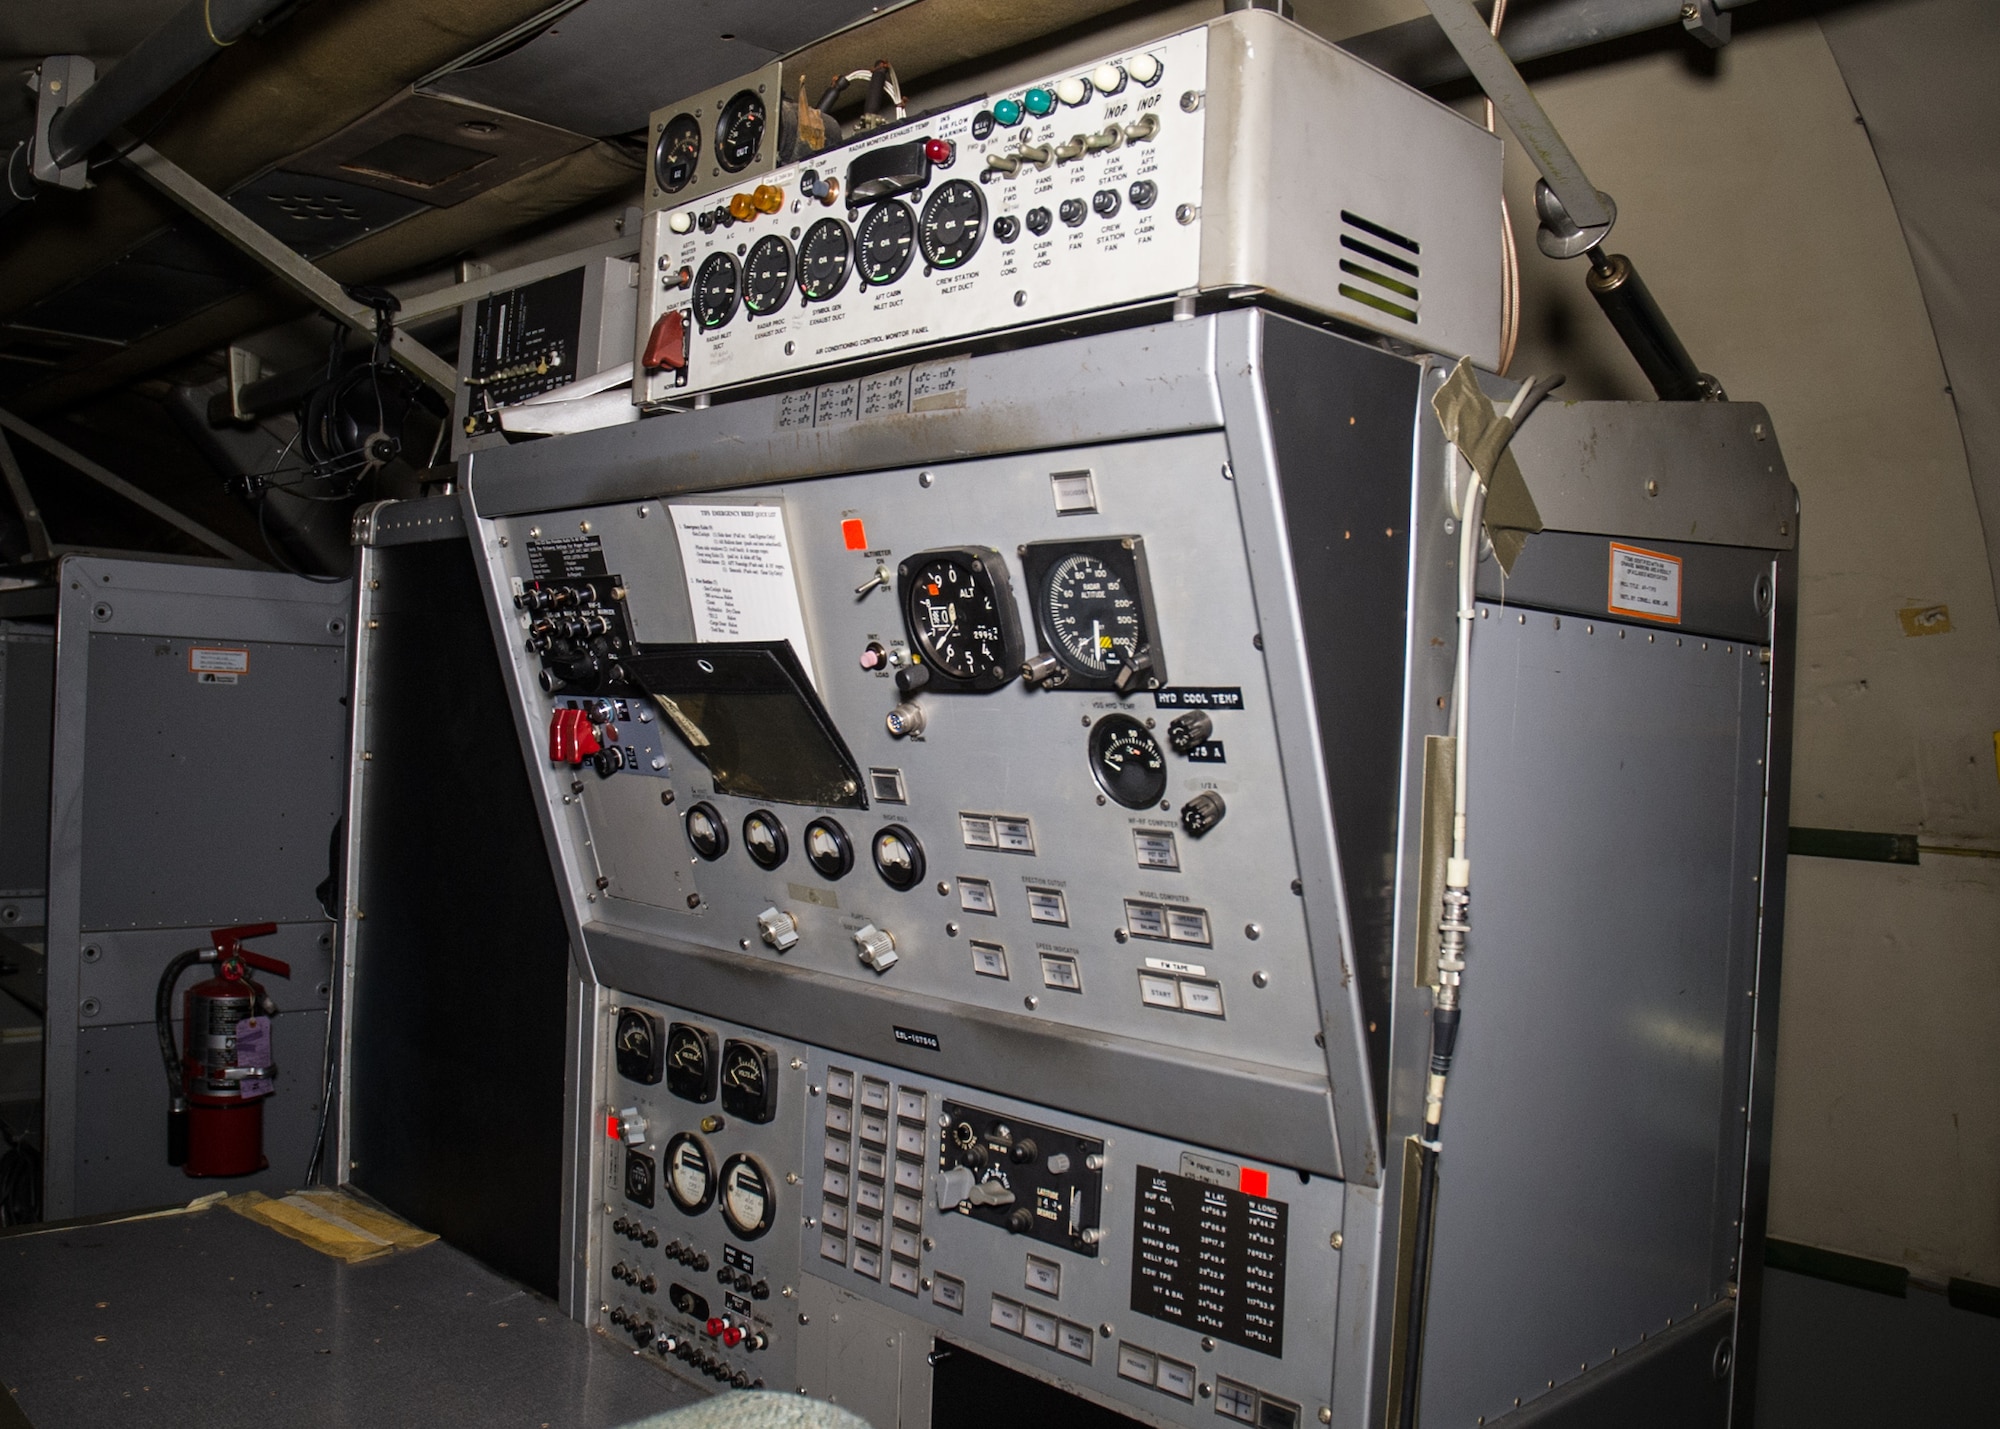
(1007, 111)
(1040, 102)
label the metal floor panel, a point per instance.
(214, 1320)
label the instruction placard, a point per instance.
(215, 666)
(739, 576)
(1644, 583)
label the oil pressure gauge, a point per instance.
(959, 607)
(1093, 610)
(749, 1202)
(767, 275)
(690, 1173)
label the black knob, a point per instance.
(724, 1275)
(607, 762)
(973, 1157)
(650, 1239)
(700, 1261)
(740, 1379)
(1006, 228)
(619, 1317)
(552, 683)
(1104, 203)
(1073, 212)
(761, 1291)
(1142, 193)
(912, 678)
(1023, 1152)
(648, 1285)
(1039, 221)
(1020, 1220)
(1202, 813)
(1190, 730)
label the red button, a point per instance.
(713, 1327)
(732, 1337)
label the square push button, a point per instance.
(1039, 1326)
(1015, 835)
(1156, 849)
(867, 1262)
(1047, 905)
(989, 959)
(833, 1248)
(833, 1215)
(839, 1084)
(1060, 972)
(912, 1105)
(1006, 1315)
(977, 831)
(1074, 1340)
(975, 895)
(903, 1277)
(839, 1117)
(1175, 1378)
(948, 1293)
(1202, 997)
(1159, 990)
(1136, 1364)
(910, 1140)
(1188, 925)
(1044, 1276)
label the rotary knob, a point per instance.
(778, 928)
(876, 948)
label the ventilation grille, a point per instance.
(1383, 265)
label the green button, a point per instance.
(1007, 111)
(1040, 102)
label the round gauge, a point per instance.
(828, 849)
(1090, 615)
(715, 290)
(764, 839)
(676, 153)
(749, 1203)
(707, 832)
(824, 256)
(1127, 761)
(961, 617)
(739, 129)
(887, 237)
(899, 858)
(767, 275)
(954, 219)
(690, 1173)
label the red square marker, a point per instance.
(852, 533)
(1254, 1183)
(611, 1127)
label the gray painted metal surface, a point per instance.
(1591, 1182)
(148, 1320)
(1342, 642)
(27, 702)
(182, 800)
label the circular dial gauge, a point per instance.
(899, 858)
(748, 1202)
(637, 1038)
(690, 1173)
(954, 220)
(828, 849)
(739, 129)
(677, 153)
(715, 290)
(824, 258)
(706, 831)
(954, 616)
(764, 839)
(767, 275)
(887, 237)
(1090, 615)
(1127, 761)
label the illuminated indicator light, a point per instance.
(1039, 102)
(1254, 1183)
(1007, 111)
(853, 535)
(766, 198)
(938, 151)
(742, 207)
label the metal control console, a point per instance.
(1245, 156)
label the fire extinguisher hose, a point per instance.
(163, 1023)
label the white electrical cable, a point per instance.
(1510, 257)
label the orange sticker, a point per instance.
(1646, 584)
(853, 533)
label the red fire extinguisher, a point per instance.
(223, 1071)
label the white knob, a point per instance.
(1144, 68)
(1108, 78)
(1073, 90)
(779, 929)
(680, 222)
(877, 948)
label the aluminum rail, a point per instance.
(1418, 53)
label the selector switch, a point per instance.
(778, 928)
(1189, 731)
(1202, 813)
(876, 948)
